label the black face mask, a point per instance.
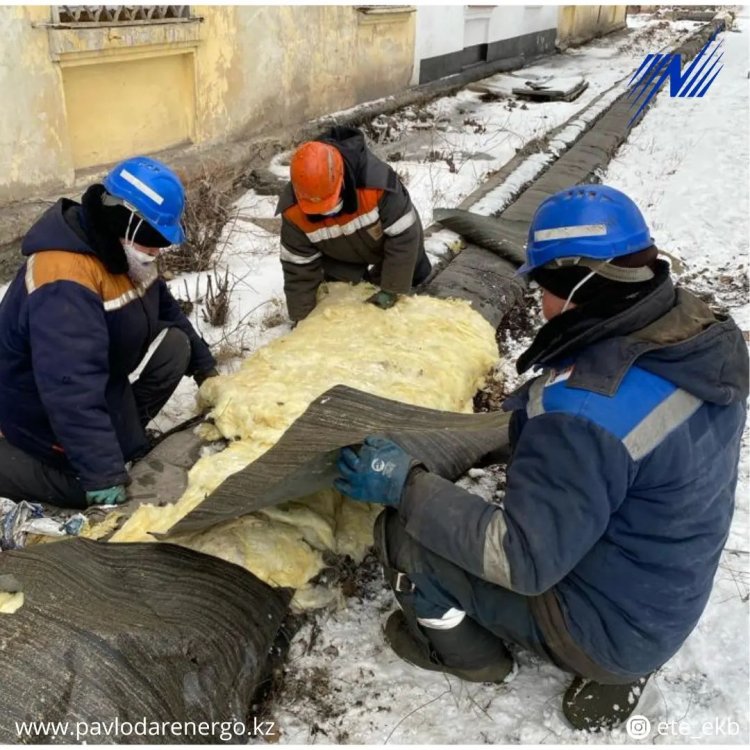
(121, 221)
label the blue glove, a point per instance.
(377, 475)
(109, 496)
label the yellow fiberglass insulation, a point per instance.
(424, 351)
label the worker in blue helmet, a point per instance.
(620, 488)
(92, 343)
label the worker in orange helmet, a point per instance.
(346, 216)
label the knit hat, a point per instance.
(563, 280)
(105, 221)
(120, 221)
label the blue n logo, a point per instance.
(694, 82)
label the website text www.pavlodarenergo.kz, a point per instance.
(85, 730)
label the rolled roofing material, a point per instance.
(302, 462)
(130, 632)
(484, 231)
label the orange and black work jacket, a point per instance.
(71, 332)
(378, 227)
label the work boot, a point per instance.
(419, 652)
(591, 706)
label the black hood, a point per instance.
(669, 332)
(350, 143)
(78, 228)
(53, 231)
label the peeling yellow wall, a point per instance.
(34, 146)
(82, 97)
(263, 67)
(150, 106)
(579, 23)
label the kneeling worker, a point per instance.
(346, 216)
(620, 491)
(81, 314)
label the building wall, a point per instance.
(34, 144)
(449, 38)
(84, 97)
(579, 23)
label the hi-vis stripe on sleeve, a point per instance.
(339, 230)
(665, 418)
(495, 565)
(126, 297)
(402, 224)
(299, 260)
(30, 285)
(122, 300)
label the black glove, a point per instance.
(200, 377)
(382, 299)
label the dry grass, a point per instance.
(208, 207)
(216, 307)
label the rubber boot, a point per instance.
(467, 651)
(591, 706)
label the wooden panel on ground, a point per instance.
(552, 90)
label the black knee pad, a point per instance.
(176, 347)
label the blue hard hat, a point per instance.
(153, 191)
(585, 221)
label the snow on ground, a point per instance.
(445, 149)
(687, 166)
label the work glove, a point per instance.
(377, 475)
(201, 377)
(109, 496)
(382, 299)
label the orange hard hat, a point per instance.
(317, 171)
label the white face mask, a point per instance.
(141, 268)
(335, 210)
(136, 256)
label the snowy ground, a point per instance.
(686, 165)
(443, 151)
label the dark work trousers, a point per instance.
(440, 585)
(25, 477)
(336, 270)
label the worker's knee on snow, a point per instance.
(175, 349)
